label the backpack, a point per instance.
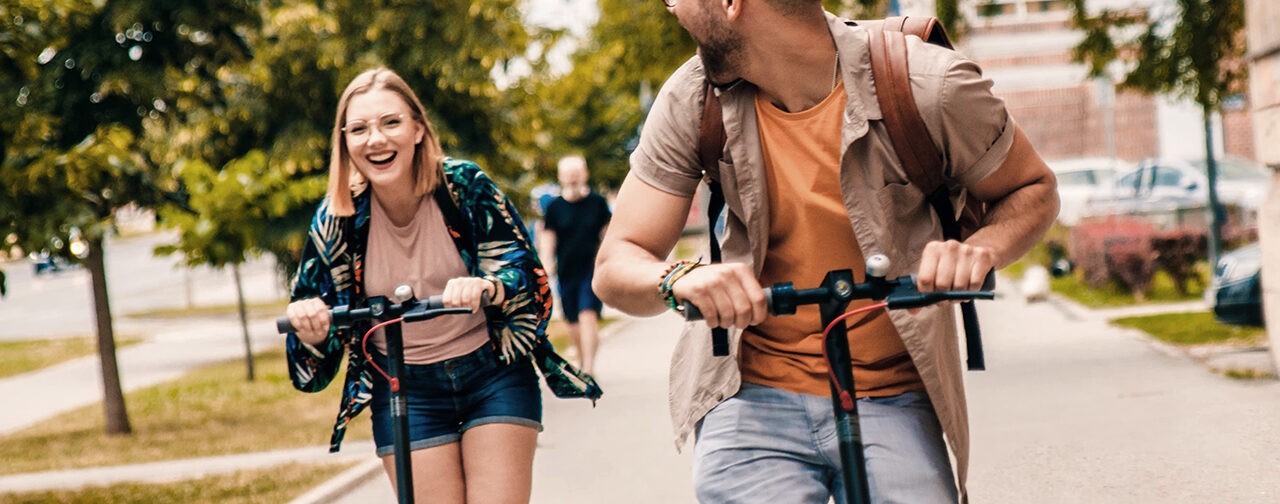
(907, 133)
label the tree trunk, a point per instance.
(244, 320)
(1215, 213)
(117, 417)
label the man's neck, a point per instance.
(794, 70)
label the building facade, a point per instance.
(1025, 47)
(1261, 19)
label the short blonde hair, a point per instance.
(571, 162)
(427, 155)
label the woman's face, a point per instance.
(381, 136)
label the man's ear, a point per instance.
(732, 8)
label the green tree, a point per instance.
(1195, 53)
(596, 107)
(249, 149)
(251, 154)
(89, 76)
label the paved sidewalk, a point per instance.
(172, 350)
(1072, 409)
(176, 470)
(619, 451)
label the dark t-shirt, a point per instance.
(577, 226)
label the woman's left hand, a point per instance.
(471, 292)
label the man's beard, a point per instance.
(721, 52)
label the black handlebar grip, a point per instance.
(989, 283)
(434, 302)
(690, 312)
(283, 326)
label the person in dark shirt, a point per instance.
(570, 237)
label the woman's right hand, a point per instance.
(311, 319)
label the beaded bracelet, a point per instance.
(673, 272)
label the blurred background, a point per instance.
(160, 160)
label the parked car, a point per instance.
(43, 262)
(1235, 292)
(1082, 179)
(1240, 182)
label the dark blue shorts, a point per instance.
(576, 297)
(448, 397)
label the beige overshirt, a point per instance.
(969, 126)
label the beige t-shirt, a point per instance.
(422, 255)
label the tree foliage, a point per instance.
(90, 78)
(1196, 52)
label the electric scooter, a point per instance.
(832, 297)
(389, 316)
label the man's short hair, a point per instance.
(568, 162)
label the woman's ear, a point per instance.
(422, 133)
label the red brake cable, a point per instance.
(846, 397)
(364, 342)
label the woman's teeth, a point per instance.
(383, 160)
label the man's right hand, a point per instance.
(727, 294)
(311, 319)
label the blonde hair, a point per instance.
(427, 155)
(571, 163)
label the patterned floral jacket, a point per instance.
(491, 240)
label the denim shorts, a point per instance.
(448, 397)
(767, 445)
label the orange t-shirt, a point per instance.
(809, 235)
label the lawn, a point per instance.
(211, 411)
(276, 484)
(252, 310)
(18, 357)
(1194, 328)
(1162, 291)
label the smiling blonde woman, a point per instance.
(398, 211)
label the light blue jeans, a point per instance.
(766, 445)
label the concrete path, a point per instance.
(1074, 410)
(1070, 410)
(619, 451)
(171, 350)
(175, 470)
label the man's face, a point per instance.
(573, 183)
(719, 46)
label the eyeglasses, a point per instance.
(359, 130)
(669, 3)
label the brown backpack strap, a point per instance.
(711, 136)
(711, 139)
(907, 131)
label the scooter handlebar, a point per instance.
(342, 316)
(903, 295)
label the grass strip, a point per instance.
(18, 357)
(275, 484)
(252, 310)
(211, 411)
(1196, 328)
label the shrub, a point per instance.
(1177, 252)
(1114, 249)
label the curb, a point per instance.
(342, 484)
